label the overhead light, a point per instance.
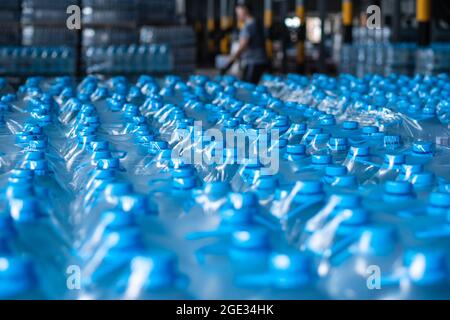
(293, 22)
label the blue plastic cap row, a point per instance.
(251, 238)
(426, 266)
(217, 190)
(25, 209)
(17, 276)
(378, 240)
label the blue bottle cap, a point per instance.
(444, 187)
(99, 145)
(116, 220)
(299, 128)
(338, 143)
(422, 179)
(141, 130)
(235, 217)
(84, 96)
(144, 138)
(346, 200)
(266, 183)
(163, 272)
(426, 266)
(74, 105)
(6, 226)
(313, 131)
(9, 97)
(360, 151)
(245, 126)
(100, 93)
(103, 174)
(321, 159)
(321, 137)
(216, 190)
(19, 189)
(412, 168)
(231, 123)
(398, 187)
(22, 174)
(4, 107)
(335, 170)
(118, 189)
(123, 241)
(440, 199)
(280, 121)
(92, 120)
(250, 238)
(378, 240)
(327, 121)
(22, 137)
(84, 131)
(137, 204)
(392, 159)
(184, 183)
(134, 92)
(87, 109)
(163, 155)
(243, 200)
(414, 108)
(350, 125)
(422, 147)
(38, 145)
(114, 104)
(137, 120)
(429, 111)
(17, 276)
(353, 217)
(98, 155)
(40, 167)
(310, 187)
(85, 139)
(290, 270)
(282, 143)
(25, 209)
(35, 155)
(183, 172)
(108, 163)
(158, 145)
(345, 181)
(369, 130)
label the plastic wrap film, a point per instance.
(213, 188)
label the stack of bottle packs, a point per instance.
(212, 188)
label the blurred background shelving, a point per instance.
(184, 36)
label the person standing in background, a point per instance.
(251, 50)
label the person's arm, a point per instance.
(244, 41)
(243, 45)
